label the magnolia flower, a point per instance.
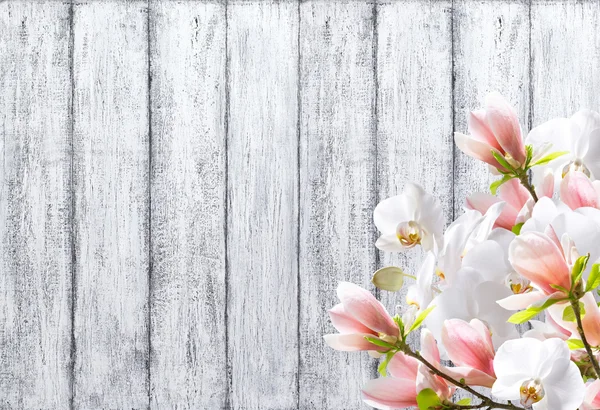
(396, 391)
(359, 315)
(519, 203)
(591, 400)
(590, 320)
(578, 135)
(538, 374)
(412, 218)
(495, 128)
(472, 297)
(469, 346)
(578, 191)
(425, 378)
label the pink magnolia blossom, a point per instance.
(359, 315)
(577, 191)
(470, 347)
(495, 128)
(590, 320)
(591, 401)
(399, 389)
(519, 203)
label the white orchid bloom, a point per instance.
(579, 135)
(412, 218)
(539, 374)
(421, 294)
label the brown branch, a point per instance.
(588, 348)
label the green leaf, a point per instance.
(558, 287)
(427, 399)
(422, 316)
(529, 151)
(390, 279)
(496, 184)
(550, 157)
(524, 315)
(464, 402)
(501, 160)
(400, 324)
(594, 280)
(569, 313)
(575, 344)
(578, 269)
(378, 342)
(382, 369)
(517, 228)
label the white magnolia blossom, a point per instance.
(538, 374)
(412, 218)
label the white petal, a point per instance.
(389, 243)
(507, 387)
(392, 211)
(564, 389)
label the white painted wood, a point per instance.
(491, 53)
(188, 366)
(35, 242)
(564, 44)
(414, 113)
(111, 153)
(262, 245)
(337, 190)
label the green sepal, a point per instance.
(496, 184)
(501, 160)
(378, 342)
(428, 399)
(578, 268)
(524, 315)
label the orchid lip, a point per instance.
(409, 234)
(531, 392)
(576, 165)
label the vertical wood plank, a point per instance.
(564, 45)
(111, 186)
(188, 366)
(337, 190)
(491, 53)
(262, 224)
(35, 198)
(414, 138)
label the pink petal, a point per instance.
(473, 377)
(482, 202)
(591, 319)
(504, 123)
(429, 348)
(346, 323)
(363, 306)
(481, 131)
(592, 395)
(351, 342)
(476, 149)
(536, 257)
(577, 191)
(390, 393)
(546, 187)
(403, 367)
(466, 346)
(520, 300)
(514, 193)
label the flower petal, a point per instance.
(390, 393)
(577, 191)
(480, 130)
(476, 149)
(466, 346)
(403, 367)
(363, 306)
(504, 123)
(352, 342)
(537, 258)
(345, 322)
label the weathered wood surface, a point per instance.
(337, 189)
(187, 48)
(184, 183)
(35, 198)
(262, 212)
(111, 205)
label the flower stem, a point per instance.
(524, 178)
(588, 348)
(485, 401)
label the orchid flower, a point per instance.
(538, 374)
(412, 218)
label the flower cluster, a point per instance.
(524, 257)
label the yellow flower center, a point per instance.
(532, 392)
(518, 284)
(440, 274)
(576, 165)
(409, 234)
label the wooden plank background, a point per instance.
(184, 183)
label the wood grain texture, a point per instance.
(262, 308)
(35, 240)
(111, 153)
(564, 44)
(337, 190)
(188, 367)
(414, 114)
(491, 53)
